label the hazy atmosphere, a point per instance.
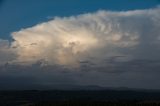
(73, 43)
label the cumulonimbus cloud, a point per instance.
(90, 36)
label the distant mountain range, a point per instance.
(78, 87)
(96, 87)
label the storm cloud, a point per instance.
(110, 48)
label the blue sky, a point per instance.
(18, 14)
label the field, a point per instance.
(79, 98)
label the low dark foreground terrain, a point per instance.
(80, 98)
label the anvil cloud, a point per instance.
(105, 48)
(87, 37)
(99, 35)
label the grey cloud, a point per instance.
(6, 53)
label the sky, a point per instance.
(49, 44)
